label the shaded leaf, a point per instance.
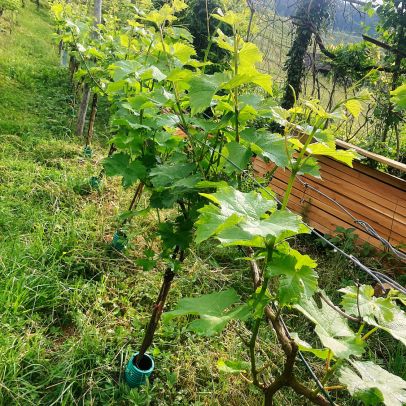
(298, 277)
(238, 154)
(271, 146)
(202, 89)
(212, 311)
(120, 164)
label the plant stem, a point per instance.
(369, 333)
(252, 343)
(159, 306)
(296, 168)
(254, 335)
(236, 111)
(289, 188)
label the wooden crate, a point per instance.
(370, 195)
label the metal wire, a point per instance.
(308, 367)
(366, 226)
(375, 275)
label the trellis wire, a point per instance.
(366, 226)
(377, 276)
(308, 367)
(355, 260)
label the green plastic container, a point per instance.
(137, 376)
(120, 240)
(95, 182)
(87, 151)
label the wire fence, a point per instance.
(365, 225)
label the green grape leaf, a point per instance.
(275, 225)
(354, 106)
(341, 155)
(373, 385)
(178, 233)
(212, 222)
(209, 325)
(163, 199)
(151, 72)
(399, 97)
(180, 75)
(258, 301)
(213, 304)
(268, 145)
(248, 56)
(212, 310)
(182, 51)
(120, 164)
(311, 167)
(362, 302)
(231, 18)
(380, 312)
(202, 89)
(167, 174)
(277, 114)
(244, 219)
(222, 40)
(122, 69)
(322, 353)
(179, 5)
(331, 328)
(394, 294)
(298, 277)
(250, 205)
(238, 154)
(325, 136)
(233, 367)
(397, 326)
(261, 79)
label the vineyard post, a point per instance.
(86, 88)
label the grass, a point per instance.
(72, 311)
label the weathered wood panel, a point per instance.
(369, 195)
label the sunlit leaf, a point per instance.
(354, 106)
(373, 385)
(322, 353)
(298, 277)
(232, 367)
(362, 302)
(332, 329)
(212, 310)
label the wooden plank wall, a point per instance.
(370, 195)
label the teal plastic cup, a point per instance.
(94, 182)
(87, 151)
(120, 241)
(137, 375)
